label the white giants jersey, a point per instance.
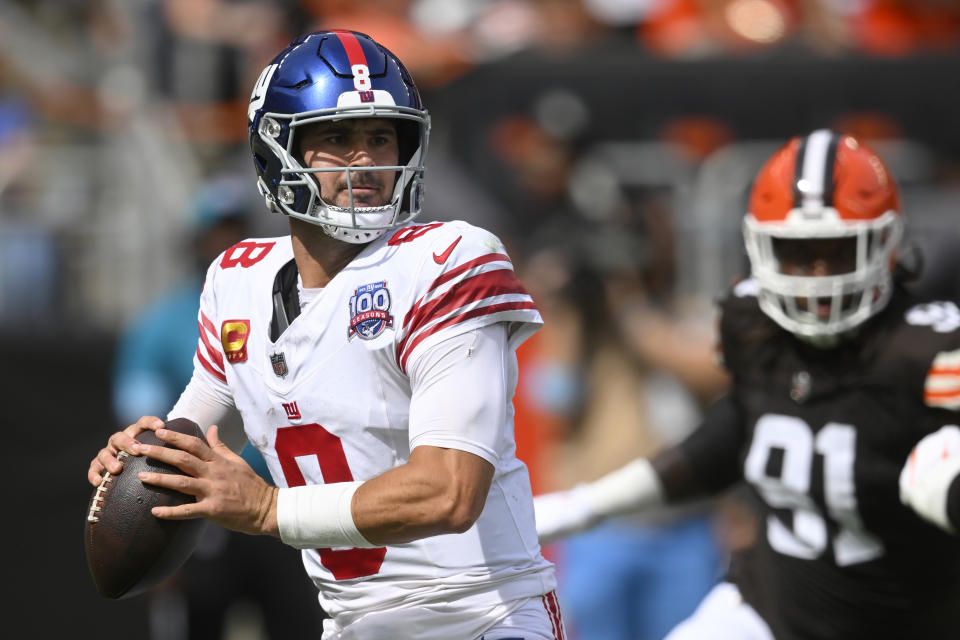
(327, 399)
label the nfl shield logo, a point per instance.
(800, 386)
(279, 362)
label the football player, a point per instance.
(371, 361)
(837, 372)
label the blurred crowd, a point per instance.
(119, 117)
(113, 112)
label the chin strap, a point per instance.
(825, 341)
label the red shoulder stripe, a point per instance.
(407, 348)
(447, 276)
(206, 365)
(475, 288)
(214, 354)
(208, 325)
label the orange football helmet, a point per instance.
(821, 230)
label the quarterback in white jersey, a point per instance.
(371, 360)
(333, 399)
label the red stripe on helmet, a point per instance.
(352, 46)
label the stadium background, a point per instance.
(551, 118)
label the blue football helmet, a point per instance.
(334, 75)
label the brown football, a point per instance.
(129, 550)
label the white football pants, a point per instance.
(722, 614)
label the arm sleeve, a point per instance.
(462, 387)
(208, 359)
(708, 460)
(207, 404)
(461, 390)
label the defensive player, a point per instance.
(837, 373)
(371, 361)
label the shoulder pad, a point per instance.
(744, 328)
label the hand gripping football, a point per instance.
(129, 550)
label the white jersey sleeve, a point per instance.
(208, 360)
(466, 281)
(460, 388)
(206, 405)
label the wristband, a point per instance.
(319, 516)
(632, 487)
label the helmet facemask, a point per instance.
(851, 284)
(298, 193)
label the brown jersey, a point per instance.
(823, 435)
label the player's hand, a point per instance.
(563, 513)
(227, 490)
(106, 460)
(928, 473)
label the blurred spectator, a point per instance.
(155, 360)
(587, 399)
(205, 57)
(29, 252)
(440, 40)
(903, 27)
(230, 573)
(433, 59)
(530, 159)
(611, 405)
(695, 28)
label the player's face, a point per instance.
(816, 258)
(352, 143)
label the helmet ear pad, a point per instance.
(408, 142)
(267, 165)
(408, 139)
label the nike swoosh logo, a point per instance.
(440, 259)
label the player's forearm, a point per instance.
(438, 491)
(707, 462)
(631, 488)
(703, 464)
(414, 501)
